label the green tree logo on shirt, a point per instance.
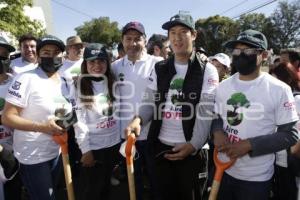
(177, 85)
(121, 76)
(237, 100)
(2, 102)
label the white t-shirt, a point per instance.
(132, 81)
(250, 109)
(70, 69)
(5, 132)
(19, 65)
(171, 130)
(97, 127)
(40, 98)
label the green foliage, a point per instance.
(100, 30)
(177, 84)
(286, 20)
(13, 19)
(213, 32)
(282, 28)
(238, 100)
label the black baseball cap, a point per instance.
(94, 51)
(134, 26)
(251, 38)
(6, 45)
(180, 19)
(50, 39)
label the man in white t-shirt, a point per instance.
(181, 93)
(257, 118)
(28, 59)
(72, 65)
(132, 73)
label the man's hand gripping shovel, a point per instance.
(129, 161)
(220, 168)
(62, 140)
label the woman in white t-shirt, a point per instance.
(32, 101)
(97, 131)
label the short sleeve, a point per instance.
(19, 91)
(210, 79)
(285, 110)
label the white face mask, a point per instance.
(122, 149)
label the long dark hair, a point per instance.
(286, 73)
(86, 86)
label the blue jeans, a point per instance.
(40, 179)
(235, 189)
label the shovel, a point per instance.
(129, 162)
(220, 168)
(62, 140)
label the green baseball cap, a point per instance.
(50, 39)
(180, 19)
(94, 51)
(249, 37)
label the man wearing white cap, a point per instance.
(222, 62)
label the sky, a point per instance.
(151, 13)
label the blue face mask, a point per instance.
(50, 64)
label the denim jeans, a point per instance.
(235, 189)
(40, 179)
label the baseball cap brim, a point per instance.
(8, 47)
(233, 43)
(170, 24)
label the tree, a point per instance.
(100, 30)
(286, 20)
(213, 32)
(13, 19)
(238, 100)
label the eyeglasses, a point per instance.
(248, 51)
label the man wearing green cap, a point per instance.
(256, 118)
(180, 95)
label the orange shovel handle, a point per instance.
(220, 166)
(62, 141)
(128, 149)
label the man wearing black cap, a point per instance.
(132, 73)
(257, 118)
(33, 100)
(181, 91)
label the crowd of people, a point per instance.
(180, 103)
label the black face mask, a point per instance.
(244, 64)
(4, 64)
(51, 65)
(97, 79)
